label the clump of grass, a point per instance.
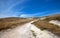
(33, 33)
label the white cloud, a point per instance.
(26, 15)
(45, 13)
(32, 15)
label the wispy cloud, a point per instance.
(6, 7)
(14, 4)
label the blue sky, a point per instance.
(28, 8)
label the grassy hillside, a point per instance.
(45, 25)
(12, 22)
(53, 17)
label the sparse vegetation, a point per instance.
(53, 17)
(45, 25)
(33, 33)
(12, 22)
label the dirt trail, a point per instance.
(25, 31)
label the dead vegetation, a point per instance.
(53, 17)
(12, 22)
(45, 25)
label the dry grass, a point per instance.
(53, 17)
(12, 22)
(44, 25)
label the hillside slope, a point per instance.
(45, 25)
(12, 22)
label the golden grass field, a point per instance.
(12, 22)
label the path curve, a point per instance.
(25, 31)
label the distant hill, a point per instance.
(12, 22)
(53, 17)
